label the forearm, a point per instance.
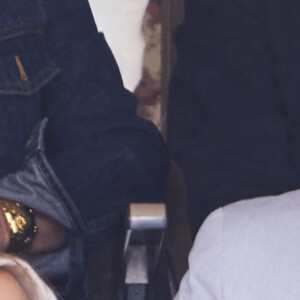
(50, 234)
(10, 287)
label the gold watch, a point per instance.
(21, 223)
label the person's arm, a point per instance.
(104, 155)
(10, 289)
(203, 279)
(97, 155)
(50, 235)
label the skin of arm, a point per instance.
(50, 236)
(10, 289)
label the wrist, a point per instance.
(20, 222)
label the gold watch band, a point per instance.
(21, 223)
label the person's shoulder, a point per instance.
(265, 208)
(253, 220)
(17, 275)
(10, 288)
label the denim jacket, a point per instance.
(65, 113)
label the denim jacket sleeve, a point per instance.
(94, 155)
(90, 155)
(103, 154)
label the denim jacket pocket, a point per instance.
(25, 65)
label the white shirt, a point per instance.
(249, 250)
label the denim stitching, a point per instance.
(100, 224)
(26, 88)
(35, 79)
(76, 272)
(54, 182)
(18, 29)
(36, 159)
(51, 179)
(30, 87)
(12, 35)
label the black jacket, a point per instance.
(234, 109)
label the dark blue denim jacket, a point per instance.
(89, 155)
